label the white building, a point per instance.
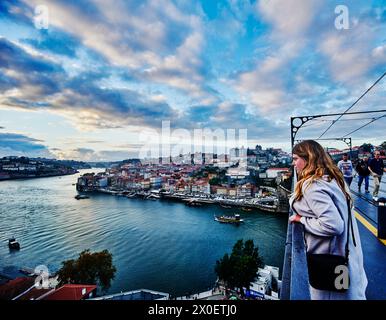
(102, 183)
(262, 285)
(238, 172)
(273, 172)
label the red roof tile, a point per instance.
(14, 287)
(71, 292)
(34, 294)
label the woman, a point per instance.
(320, 205)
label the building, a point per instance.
(156, 182)
(274, 172)
(244, 190)
(266, 284)
(201, 186)
(23, 288)
(237, 173)
(221, 190)
(72, 292)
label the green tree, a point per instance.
(214, 181)
(89, 268)
(366, 147)
(383, 145)
(239, 269)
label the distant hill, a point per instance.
(109, 164)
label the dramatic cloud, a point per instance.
(86, 154)
(44, 84)
(105, 74)
(18, 145)
(351, 54)
(264, 86)
(152, 39)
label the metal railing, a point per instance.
(295, 281)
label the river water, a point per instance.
(159, 245)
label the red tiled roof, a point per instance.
(14, 287)
(34, 294)
(71, 292)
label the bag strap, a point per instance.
(349, 225)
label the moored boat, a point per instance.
(81, 196)
(13, 244)
(193, 203)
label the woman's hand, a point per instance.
(294, 218)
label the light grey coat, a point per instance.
(323, 208)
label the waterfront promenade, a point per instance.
(269, 203)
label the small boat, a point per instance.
(224, 206)
(81, 196)
(246, 209)
(153, 197)
(229, 219)
(13, 244)
(193, 203)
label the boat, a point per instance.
(224, 206)
(246, 209)
(13, 244)
(81, 196)
(266, 207)
(193, 203)
(153, 196)
(229, 219)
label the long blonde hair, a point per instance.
(318, 164)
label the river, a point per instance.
(159, 245)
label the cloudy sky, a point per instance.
(94, 80)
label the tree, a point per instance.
(366, 147)
(383, 145)
(89, 268)
(214, 181)
(239, 269)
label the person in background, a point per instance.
(320, 205)
(346, 167)
(362, 168)
(376, 167)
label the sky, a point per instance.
(101, 80)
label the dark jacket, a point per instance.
(362, 168)
(376, 166)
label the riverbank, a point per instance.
(266, 204)
(28, 176)
(155, 244)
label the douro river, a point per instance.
(159, 245)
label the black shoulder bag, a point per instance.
(322, 268)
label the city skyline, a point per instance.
(97, 81)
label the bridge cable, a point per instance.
(366, 124)
(372, 86)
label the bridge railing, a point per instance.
(295, 281)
